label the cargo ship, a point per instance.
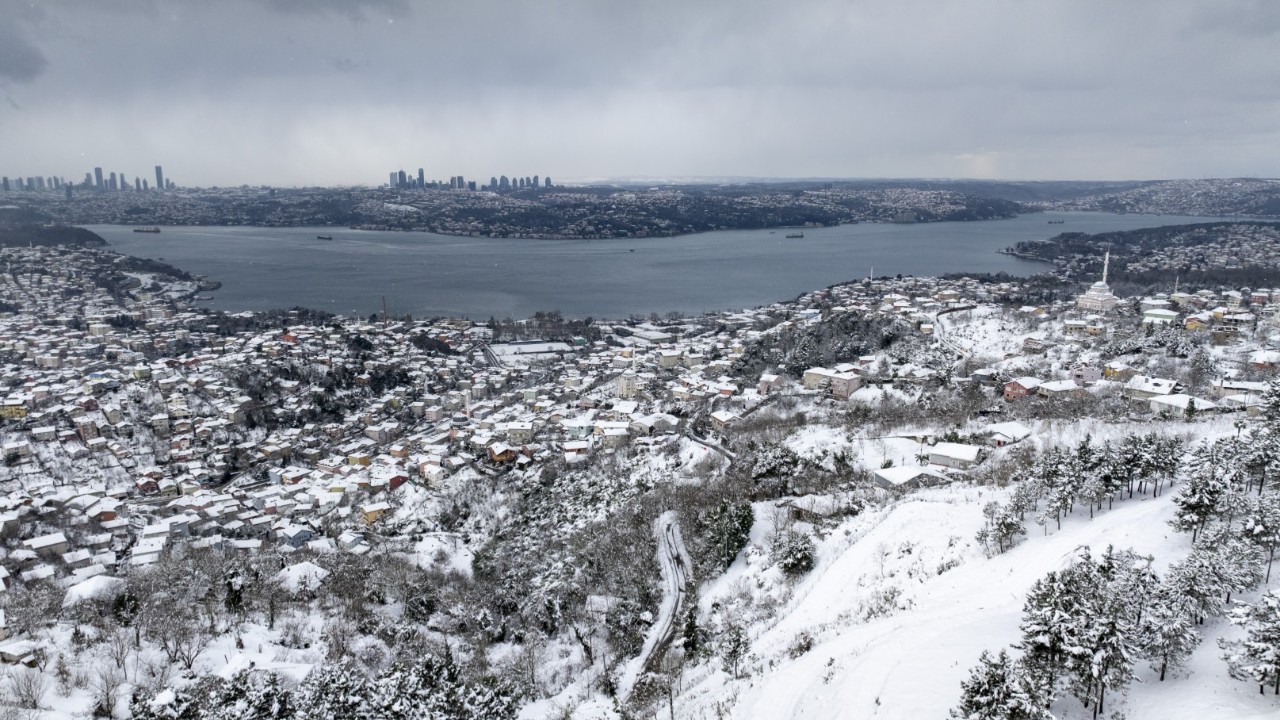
(148, 230)
(324, 237)
(794, 236)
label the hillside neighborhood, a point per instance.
(139, 429)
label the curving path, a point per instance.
(675, 564)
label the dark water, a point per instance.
(428, 275)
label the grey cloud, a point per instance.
(289, 91)
(355, 10)
(20, 60)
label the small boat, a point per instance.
(324, 237)
(632, 250)
(794, 236)
(1056, 222)
(147, 230)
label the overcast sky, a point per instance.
(292, 92)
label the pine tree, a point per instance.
(1263, 455)
(335, 692)
(727, 529)
(1257, 656)
(734, 646)
(1271, 405)
(1057, 479)
(793, 553)
(1212, 571)
(1002, 526)
(1262, 526)
(1110, 654)
(691, 633)
(1047, 615)
(1167, 634)
(999, 689)
(1198, 501)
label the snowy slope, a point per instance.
(910, 664)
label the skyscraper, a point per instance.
(547, 182)
(111, 184)
(504, 183)
(403, 179)
(422, 178)
(493, 184)
(392, 182)
(137, 183)
(4, 182)
(159, 178)
(535, 182)
(97, 178)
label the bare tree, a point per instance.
(119, 646)
(154, 676)
(339, 635)
(27, 687)
(181, 638)
(105, 686)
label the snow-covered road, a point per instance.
(675, 565)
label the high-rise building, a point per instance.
(493, 184)
(535, 182)
(137, 183)
(159, 178)
(422, 178)
(66, 187)
(4, 183)
(402, 179)
(97, 178)
(547, 182)
(392, 182)
(504, 183)
(111, 184)
(145, 186)
(471, 185)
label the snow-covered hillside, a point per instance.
(910, 662)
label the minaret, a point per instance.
(1106, 261)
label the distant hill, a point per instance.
(24, 226)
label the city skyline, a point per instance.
(98, 180)
(285, 93)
